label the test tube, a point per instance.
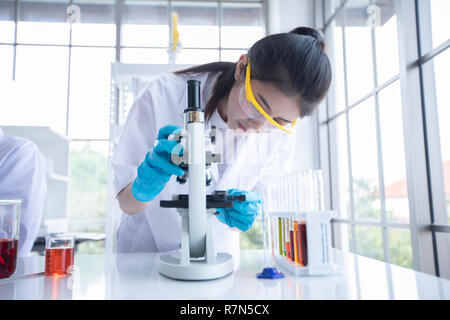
(283, 230)
(290, 195)
(279, 197)
(301, 191)
(280, 235)
(294, 192)
(287, 239)
(286, 194)
(318, 189)
(303, 254)
(311, 191)
(278, 194)
(315, 190)
(274, 200)
(59, 254)
(272, 235)
(297, 192)
(291, 239)
(296, 243)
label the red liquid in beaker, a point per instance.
(8, 257)
(57, 261)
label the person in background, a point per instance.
(22, 176)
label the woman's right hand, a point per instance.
(156, 169)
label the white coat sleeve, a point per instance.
(23, 177)
(137, 138)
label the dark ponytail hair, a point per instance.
(294, 62)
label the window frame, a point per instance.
(423, 160)
(119, 9)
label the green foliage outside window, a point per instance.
(252, 238)
(87, 195)
(369, 241)
(87, 187)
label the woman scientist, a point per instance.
(282, 78)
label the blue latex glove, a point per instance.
(155, 171)
(243, 213)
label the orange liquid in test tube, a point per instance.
(289, 247)
(286, 238)
(291, 240)
(288, 251)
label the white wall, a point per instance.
(283, 16)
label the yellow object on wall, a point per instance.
(175, 33)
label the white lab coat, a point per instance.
(22, 176)
(161, 103)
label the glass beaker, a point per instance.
(9, 236)
(59, 254)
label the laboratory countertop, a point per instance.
(133, 276)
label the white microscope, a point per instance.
(198, 259)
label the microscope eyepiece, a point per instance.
(193, 95)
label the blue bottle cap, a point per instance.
(270, 273)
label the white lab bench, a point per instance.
(133, 276)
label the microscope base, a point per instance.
(171, 267)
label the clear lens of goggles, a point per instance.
(250, 111)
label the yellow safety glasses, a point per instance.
(251, 98)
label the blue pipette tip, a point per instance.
(270, 273)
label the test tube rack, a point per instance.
(318, 259)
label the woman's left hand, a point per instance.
(243, 213)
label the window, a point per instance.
(7, 21)
(386, 150)
(7, 26)
(196, 18)
(45, 84)
(145, 25)
(440, 26)
(89, 92)
(437, 67)
(362, 167)
(6, 63)
(433, 62)
(393, 151)
(442, 78)
(364, 161)
(65, 70)
(97, 25)
(43, 22)
(358, 50)
(217, 22)
(245, 19)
